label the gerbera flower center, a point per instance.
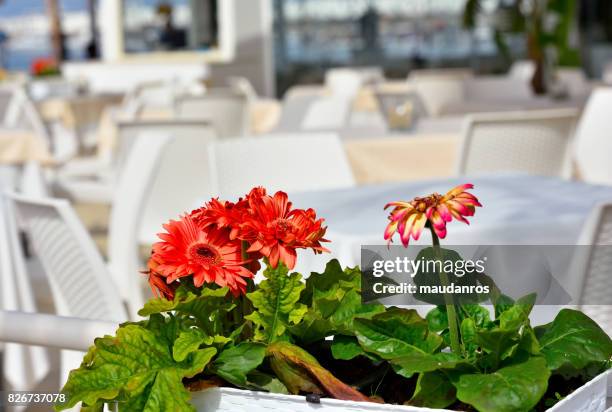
(282, 226)
(422, 203)
(204, 254)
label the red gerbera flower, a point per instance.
(207, 254)
(276, 231)
(223, 214)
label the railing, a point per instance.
(52, 331)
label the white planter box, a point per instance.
(589, 398)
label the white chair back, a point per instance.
(227, 111)
(534, 142)
(439, 88)
(329, 113)
(244, 86)
(163, 177)
(23, 367)
(592, 266)
(79, 282)
(292, 163)
(129, 131)
(6, 95)
(343, 82)
(23, 114)
(593, 143)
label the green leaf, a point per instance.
(502, 303)
(479, 314)
(187, 342)
(418, 362)
(334, 301)
(235, 363)
(513, 388)
(263, 381)
(437, 319)
(135, 367)
(276, 301)
(573, 342)
(498, 344)
(208, 307)
(433, 390)
(396, 333)
(468, 334)
(346, 348)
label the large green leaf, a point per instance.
(276, 303)
(511, 389)
(418, 362)
(396, 333)
(433, 390)
(235, 363)
(207, 306)
(346, 348)
(135, 367)
(334, 301)
(573, 342)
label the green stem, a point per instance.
(247, 307)
(451, 312)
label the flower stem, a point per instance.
(246, 305)
(451, 313)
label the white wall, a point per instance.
(253, 57)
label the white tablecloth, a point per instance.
(517, 209)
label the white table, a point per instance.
(517, 210)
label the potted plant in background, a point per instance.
(547, 26)
(211, 327)
(44, 67)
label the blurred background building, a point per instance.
(287, 42)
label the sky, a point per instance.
(23, 7)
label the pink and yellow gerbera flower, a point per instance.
(410, 218)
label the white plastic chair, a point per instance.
(291, 163)
(592, 267)
(99, 187)
(244, 86)
(80, 284)
(6, 95)
(329, 113)
(24, 367)
(22, 113)
(164, 176)
(343, 81)
(534, 142)
(439, 88)
(593, 143)
(227, 111)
